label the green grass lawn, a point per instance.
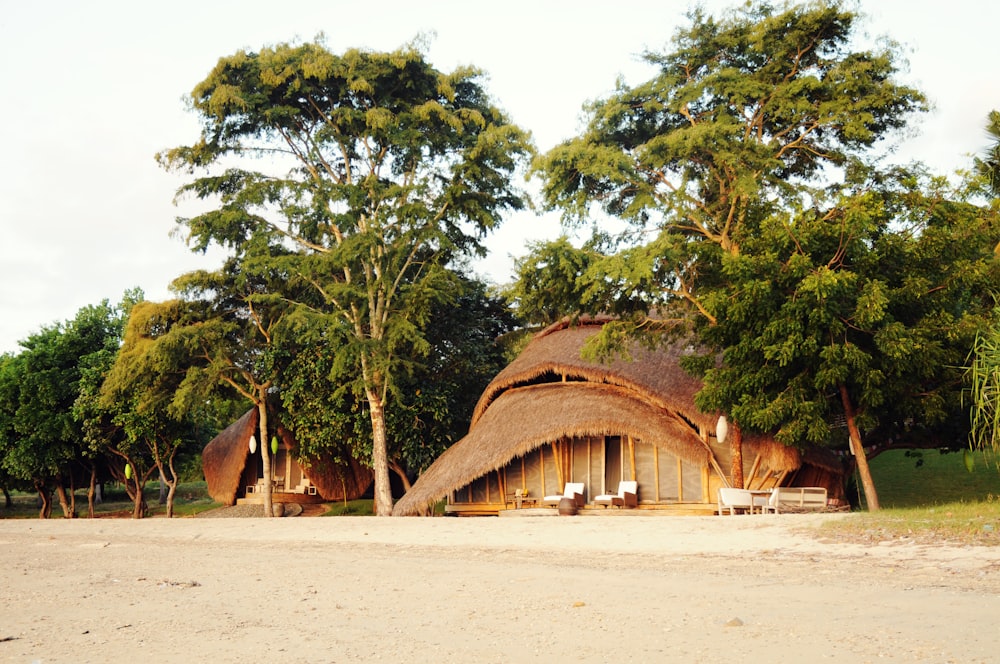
(928, 478)
(928, 498)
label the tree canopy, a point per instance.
(742, 113)
(433, 398)
(41, 435)
(375, 171)
(760, 219)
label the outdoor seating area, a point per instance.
(572, 490)
(796, 499)
(520, 499)
(774, 501)
(573, 498)
(304, 487)
(627, 496)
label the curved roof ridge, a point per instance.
(656, 374)
(581, 321)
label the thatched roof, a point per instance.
(225, 457)
(224, 461)
(554, 354)
(778, 456)
(549, 392)
(338, 481)
(556, 410)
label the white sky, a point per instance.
(93, 89)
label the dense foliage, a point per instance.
(755, 214)
(432, 400)
(760, 220)
(380, 172)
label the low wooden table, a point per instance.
(520, 501)
(755, 493)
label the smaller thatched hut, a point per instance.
(233, 472)
(551, 417)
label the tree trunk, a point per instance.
(170, 499)
(380, 456)
(7, 500)
(396, 468)
(91, 490)
(163, 487)
(136, 491)
(167, 488)
(736, 447)
(265, 452)
(63, 500)
(139, 507)
(871, 496)
(44, 501)
(172, 483)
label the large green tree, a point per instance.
(222, 338)
(376, 169)
(99, 434)
(42, 438)
(744, 116)
(433, 398)
(858, 312)
(129, 411)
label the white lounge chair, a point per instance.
(735, 499)
(572, 490)
(796, 499)
(627, 496)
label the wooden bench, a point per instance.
(796, 499)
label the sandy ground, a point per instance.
(556, 589)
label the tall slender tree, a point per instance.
(433, 398)
(376, 169)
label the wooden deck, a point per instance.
(282, 497)
(675, 509)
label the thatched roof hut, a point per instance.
(230, 467)
(550, 396)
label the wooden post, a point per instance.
(555, 460)
(631, 454)
(736, 446)
(753, 471)
(541, 466)
(656, 471)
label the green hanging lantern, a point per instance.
(128, 471)
(274, 444)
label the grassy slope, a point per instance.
(939, 479)
(939, 500)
